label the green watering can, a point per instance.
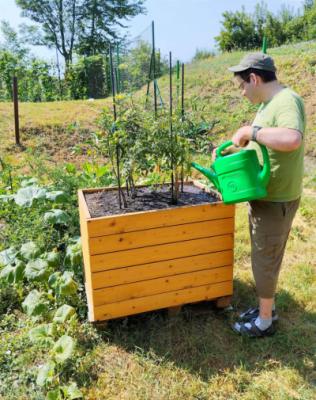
(239, 176)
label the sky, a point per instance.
(181, 26)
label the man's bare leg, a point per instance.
(265, 306)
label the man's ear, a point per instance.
(256, 79)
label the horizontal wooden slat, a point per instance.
(159, 301)
(162, 252)
(161, 268)
(158, 218)
(162, 285)
(178, 233)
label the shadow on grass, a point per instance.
(200, 338)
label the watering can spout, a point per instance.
(208, 173)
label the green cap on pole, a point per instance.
(264, 45)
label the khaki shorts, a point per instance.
(269, 224)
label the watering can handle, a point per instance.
(265, 172)
(223, 147)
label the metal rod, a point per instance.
(154, 65)
(112, 83)
(16, 111)
(118, 77)
(149, 78)
(173, 200)
(178, 81)
(114, 116)
(182, 92)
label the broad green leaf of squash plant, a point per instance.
(29, 182)
(74, 254)
(46, 373)
(53, 258)
(30, 250)
(42, 334)
(56, 217)
(55, 394)
(25, 196)
(63, 349)
(13, 273)
(56, 196)
(8, 256)
(35, 303)
(64, 284)
(6, 197)
(72, 392)
(37, 270)
(63, 313)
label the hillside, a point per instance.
(209, 90)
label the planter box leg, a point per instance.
(223, 302)
(174, 311)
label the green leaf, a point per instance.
(27, 195)
(56, 216)
(53, 279)
(46, 373)
(63, 284)
(53, 258)
(8, 256)
(29, 250)
(63, 349)
(74, 254)
(71, 168)
(42, 333)
(13, 273)
(37, 270)
(35, 303)
(55, 394)
(72, 392)
(64, 313)
(29, 182)
(57, 196)
(6, 197)
(67, 284)
(100, 171)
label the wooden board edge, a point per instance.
(157, 302)
(83, 204)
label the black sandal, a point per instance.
(253, 331)
(252, 313)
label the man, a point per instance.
(279, 125)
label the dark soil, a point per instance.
(147, 198)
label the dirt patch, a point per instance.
(61, 144)
(106, 202)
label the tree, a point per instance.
(12, 42)
(99, 20)
(239, 31)
(82, 25)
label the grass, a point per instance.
(194, 355)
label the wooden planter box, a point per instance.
(156, 259)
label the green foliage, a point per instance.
(202, 54)
(35, 303)
(242, 30)
(86, 26)
(87, 78)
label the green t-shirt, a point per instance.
(286, 110)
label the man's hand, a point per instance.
(242, 137)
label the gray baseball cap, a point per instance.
(255, 60)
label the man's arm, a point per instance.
(279, 139)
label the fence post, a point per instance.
(16, 111)
(154, 66)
